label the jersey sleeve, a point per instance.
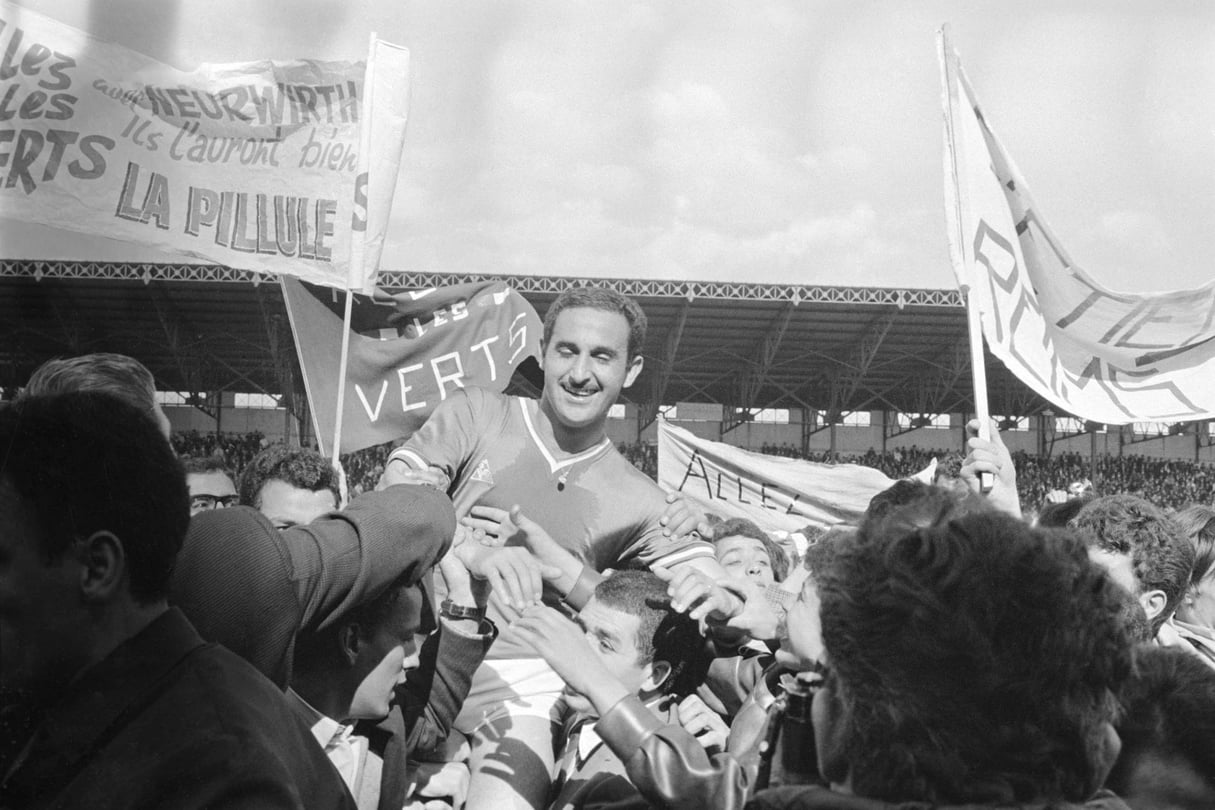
(447, 438)
(651, 547)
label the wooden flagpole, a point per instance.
(358, 256)
(957, 245)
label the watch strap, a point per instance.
(450, 610)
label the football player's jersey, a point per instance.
(596, 504)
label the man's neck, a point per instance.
(115, 626)
(321, 691)
(569, 440)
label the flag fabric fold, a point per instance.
(408, 352)
(778, 494)
(1102, 355)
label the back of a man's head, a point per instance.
(105, 372)
(83, 463)
(971, 658)
(299, 467)
(900, 493)
(662, 634)
(1160, 555)
(1167, 732)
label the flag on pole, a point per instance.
(382, 139)
(1102, 355)
(257, 165)
(408, 352)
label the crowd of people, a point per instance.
(1172, 483)
(515, 616)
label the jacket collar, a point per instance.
(98, 702)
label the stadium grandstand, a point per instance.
(879, 376)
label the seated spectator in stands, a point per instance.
(137, 710)
(648, 659)
(210, 483)
(745, 550)
(1167, 730)
(114, 374)
(972, 661)
(290, 486)
(1144, 551)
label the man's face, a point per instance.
(286, 506)
(43, 624)
(1121, 569)
(586, 365)
(386, 654)
(745, 557)
(1199, 605)
(613, 636)
(210, 490)
(802, 644)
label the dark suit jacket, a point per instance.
(170, 722)
(427, 705)
(252, 588)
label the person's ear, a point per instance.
(657, 676)
(630, 376)
(1153, 603)
(103, 566)
(349, 643)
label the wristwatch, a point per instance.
(450, 610)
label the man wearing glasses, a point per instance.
(210, 484)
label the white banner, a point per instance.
(1102, 355)
(778, 494)
(252, 165)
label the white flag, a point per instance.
(1102, 355)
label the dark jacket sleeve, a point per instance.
(348, 557)
(252, 588)
(670, 767)
(434, 692)
(427, 704)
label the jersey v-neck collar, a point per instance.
(553, 464)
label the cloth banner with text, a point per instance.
(1102, 355)
(776, 493)
(257, 165)
(408, 352)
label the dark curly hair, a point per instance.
(299, 467)
(663, 634)
(974, 659)
(603, 299)
(1161, 555)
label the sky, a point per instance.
(772, 141)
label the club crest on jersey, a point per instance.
(483, 474)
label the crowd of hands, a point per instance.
(516, 557)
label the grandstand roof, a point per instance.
(206, 328)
